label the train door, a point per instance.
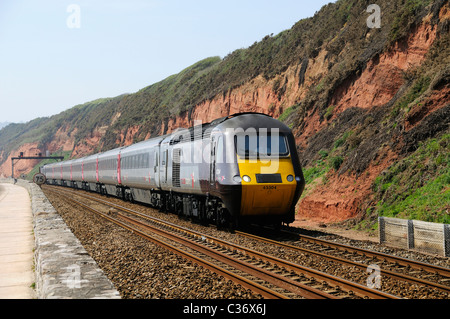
(119, 169)
(156, 168)
(212, 162)
(164, 159)
(216, 152)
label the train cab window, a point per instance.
(254, 145)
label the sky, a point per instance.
(55, 54)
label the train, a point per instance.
(237, 170)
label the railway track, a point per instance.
(270, 276)
(264, 291)
(389, 266)
(347, 249)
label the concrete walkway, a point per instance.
(16, 243)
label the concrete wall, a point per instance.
(63, 268)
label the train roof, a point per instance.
(252, 120)
(237, 120)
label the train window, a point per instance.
(253, 145)
(156, 163)
(219, 151)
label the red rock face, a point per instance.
(383, 76)
(432, 103)
(342, 196)
(255, 96)
(22, 166)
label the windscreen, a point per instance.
(260, 145)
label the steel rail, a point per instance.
(386, 272)
(364, 267)
(280, 281)
(253, 286)
(400, 260)
(320, 276)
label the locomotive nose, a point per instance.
(268, 188)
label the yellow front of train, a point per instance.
(257, 171)
(269, 177)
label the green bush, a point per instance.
(287, 112)
(336, 162)
(323, 154)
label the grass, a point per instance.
(329, 112)
(287, 112)
(336, 162)
(332, 159)
(418, 187)
(320, 168)
(405, 17)
(341, 141)
(428, 203)
(313, 172)
(418, 88)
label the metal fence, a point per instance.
(413, 234)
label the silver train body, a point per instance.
(238, 169)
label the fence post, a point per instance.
(410, 234)
(381, 230)
(446, 240)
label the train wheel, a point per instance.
(202, 212)
(178, 207)
(224, 220)
(120, 192)
(129, 196)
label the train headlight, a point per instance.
(237, 179)
(290, 178)
(246, 179)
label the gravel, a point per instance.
(140, 269)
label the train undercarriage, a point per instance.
(201, 209)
